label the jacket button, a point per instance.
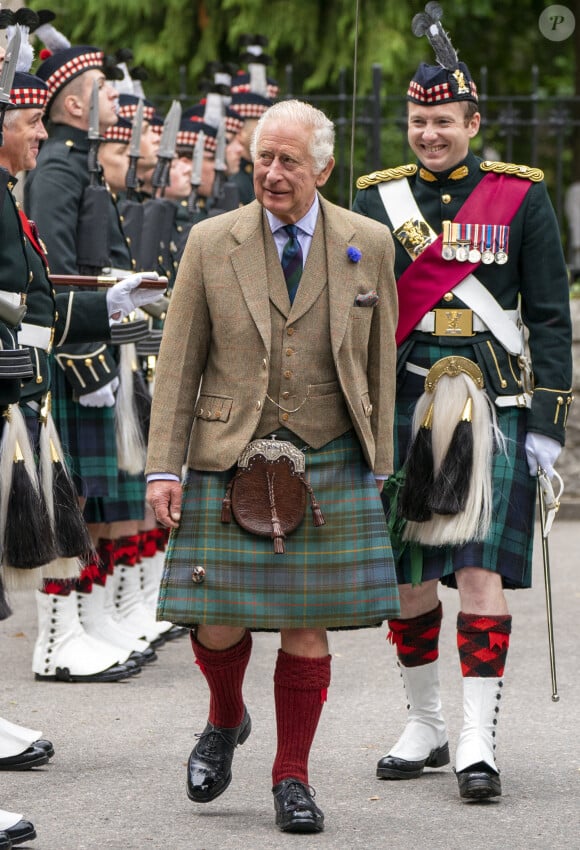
(287, 373)
(446, 199)
(285, 417)
(286, 394)
(290, 331)
(289, 352)
(198, 575)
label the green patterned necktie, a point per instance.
(292, 261)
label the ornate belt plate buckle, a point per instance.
(453, 322)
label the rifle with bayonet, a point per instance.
(131, 208)
(166, 152)
(225, 195)
(158, 212)
(93, 246)
(195, 179)
(6, 80)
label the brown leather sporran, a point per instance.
(267, 494)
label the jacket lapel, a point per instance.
(249, 264)
(339, 235)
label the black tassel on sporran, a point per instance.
(419, 475)
(451, 486)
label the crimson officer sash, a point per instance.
(429, 277)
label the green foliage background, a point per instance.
(174, 39)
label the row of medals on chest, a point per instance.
(475, 243)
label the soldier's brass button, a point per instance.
(69, 362)
(39, 379)
(198, 575)
(121, 218)
(258, 405)
(69, 143)
(288, 373)
(88, 361)
(446, 199)
(285, 417)
(289, 352)
(286, 394)
(290, 331)
(448, 296)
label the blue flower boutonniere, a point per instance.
(353, 254)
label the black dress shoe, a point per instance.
(209, 769)
(22, 831)
(45, 745)
(63, 674)
(391, 767)
(478, 782)
(32, 757)
(5, 843)
(296, 810)
(175, 632)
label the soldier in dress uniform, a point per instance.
(86, 378)
(267, 366)
(35, 321)
(478, 258)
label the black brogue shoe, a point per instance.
(296, 810)
(209, 769)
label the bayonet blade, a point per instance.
(9, 66)
(94, 134)
(135, 144)
(169, 132)
(220, 152)
(195, 178)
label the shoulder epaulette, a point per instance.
(536, 175)
(384, 176)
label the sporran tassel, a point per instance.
(131, 451)
(451, 487)
(419, 475)
(71, 535)
(25, 525)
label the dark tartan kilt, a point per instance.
(129, 503)
(87, 435)
(508, 547)
(338, 575)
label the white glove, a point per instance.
(103, 397)
(541, 451)
(125, 296)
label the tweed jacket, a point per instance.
(218, 333)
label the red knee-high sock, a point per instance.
(417, 638)
(483, 642)
(300, 689)
(224, 672)
(89, 574)
(126, 550)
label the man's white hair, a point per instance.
(321, 145)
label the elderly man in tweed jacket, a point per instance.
(241, 360)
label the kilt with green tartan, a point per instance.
(129, 503)
(87, 435)
(507, 548)
(339, 575)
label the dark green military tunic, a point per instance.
(535, 275)
(244, 180)
(53, 198)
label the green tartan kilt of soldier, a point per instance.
(129, 503)
(339, 575)
(507, 548)
(87, 435)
